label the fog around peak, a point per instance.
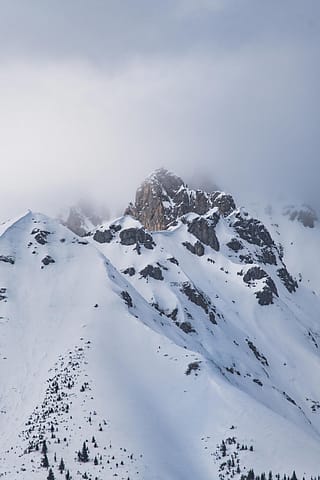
(95, 97)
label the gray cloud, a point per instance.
(109, 31)
(93, 97)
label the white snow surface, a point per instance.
(87, 350)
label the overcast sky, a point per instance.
(95, 94)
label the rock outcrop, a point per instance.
(210, 222)
(163, 197)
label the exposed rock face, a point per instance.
(198, 298)
(186, 327)
(259, 356)
(254, 273)
(151, 271)
(163, 197)
(132, 236)
(290, 284)
(204, 230)
(266, 295)
(235, 245)
(104, 236)
(150, 206)
(225, 203)
(195, 296)
(196, 249)
(40, 235)
(253, 231)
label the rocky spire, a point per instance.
(163, 197)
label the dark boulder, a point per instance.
(192, 367)
(7, 259)
(103, 236)
(266, 295)
(151, 271)
(253, 231)
(196, 249)
(47, 260)
(132, 236)
(254, 273)
(3, 292)
(269, 290)
(186, 327)
(235, 245)
(127, 298)
(41, 236)
(173, 260)
(129, 271)
(128, 236)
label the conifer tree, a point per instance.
(50, 476)
(223, 449)
(44, 449)
(45, 461)
(83, 455)
(61, 466)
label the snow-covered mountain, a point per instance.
(175, 342)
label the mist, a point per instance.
(238, 107)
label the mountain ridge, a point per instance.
(171, 348)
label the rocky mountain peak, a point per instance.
(163, 197)
(167, 181)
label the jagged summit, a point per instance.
(163, 197)
(168, 180)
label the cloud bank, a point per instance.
(232, 96)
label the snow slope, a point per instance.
(154, 370)
(296, 227)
